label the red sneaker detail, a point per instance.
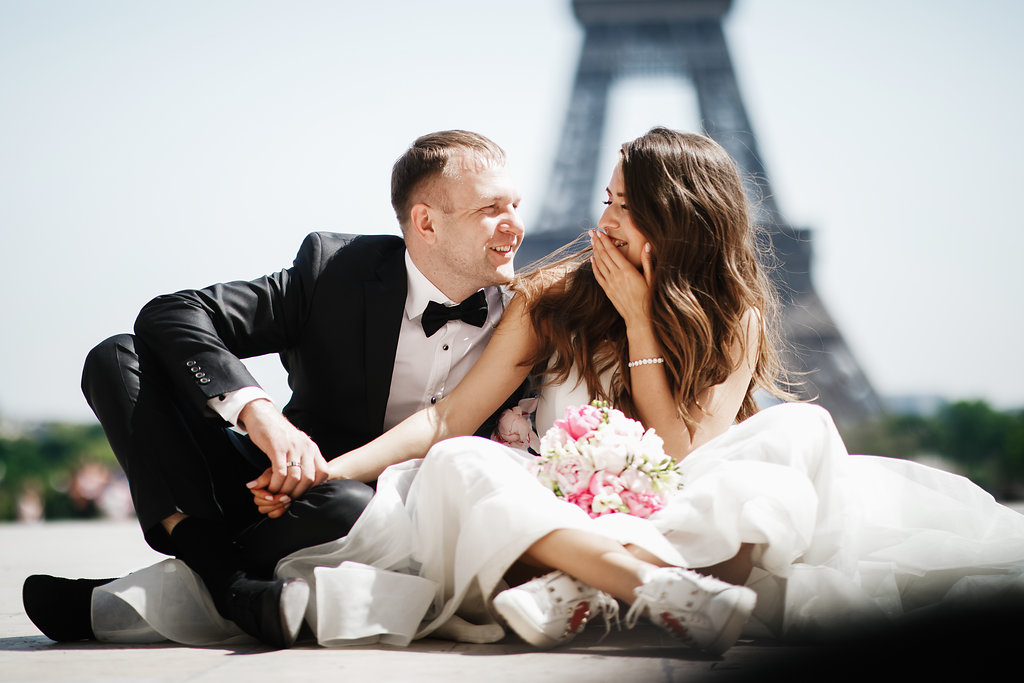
(674, 625)
(579, 618)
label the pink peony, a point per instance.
(641, 503)
(514, 428)
(572, 474)
(604, 493)
(580, 421)
(585, 500)
(604, 481)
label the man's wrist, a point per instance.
(254, 410)
(230, 404)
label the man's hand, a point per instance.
(295, 461)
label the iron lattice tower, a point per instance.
(684, 38)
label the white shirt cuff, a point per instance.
(229, 405)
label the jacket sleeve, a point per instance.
(200, 336)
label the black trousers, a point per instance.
(178, 460)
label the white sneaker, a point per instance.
(552, 609)
(699, 610)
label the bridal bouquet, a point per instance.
(604, 462)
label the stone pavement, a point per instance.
(643, 654)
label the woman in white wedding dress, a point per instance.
(670, 320)
(825, 539)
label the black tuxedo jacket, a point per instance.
(334, 318)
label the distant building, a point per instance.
(684, 38)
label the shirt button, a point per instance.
(433, 400)
(445, 347)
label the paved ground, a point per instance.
(110, 549)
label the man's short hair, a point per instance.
(432, 156)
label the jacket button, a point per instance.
(190, 363)
(204, 380)
(200, 374)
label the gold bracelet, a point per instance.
(645, 361)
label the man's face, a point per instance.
(477, 227)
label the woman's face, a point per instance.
(617, 222)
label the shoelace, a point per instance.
(608, 609)
(637, 609)
(602, 605)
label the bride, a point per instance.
(669, 318)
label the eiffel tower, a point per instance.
(684, 38)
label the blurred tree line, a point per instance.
(968, 437)
(62, 471)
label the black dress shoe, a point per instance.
(60, 608)
(270, 611)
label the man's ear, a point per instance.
(421, 223)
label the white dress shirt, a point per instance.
(428, 368)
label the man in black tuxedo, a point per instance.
(369, 332)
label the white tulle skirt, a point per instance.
(837, 538)
(425, 557)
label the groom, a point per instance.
(369, 333)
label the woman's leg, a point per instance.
(735, 570)
(615, 569)
(595, 560)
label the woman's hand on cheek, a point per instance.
(627, 288)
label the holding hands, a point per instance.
(296, 463)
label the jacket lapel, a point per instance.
(385, 301)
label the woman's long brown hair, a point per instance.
(686, 197)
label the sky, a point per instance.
(147, 147)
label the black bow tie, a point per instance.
(473, 311)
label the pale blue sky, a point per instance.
(151, 146)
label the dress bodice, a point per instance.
(555, 398)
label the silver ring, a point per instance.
(294, 464)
